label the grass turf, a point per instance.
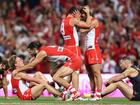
(54, 101)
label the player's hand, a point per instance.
(77, 14)
(107, 84)
(94, 24)
(86, 9)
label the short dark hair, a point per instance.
(4, 66)
(34, 44)
(126, 58)
(72, 10)
(5, 62)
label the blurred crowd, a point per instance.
(24, 21)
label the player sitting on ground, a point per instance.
(3, 73)
(55, 54)
(19, 81)
(116, 82)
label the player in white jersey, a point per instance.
(37, 83)
(93, 57)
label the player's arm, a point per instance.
(40, 56)
(116, 78)
(79, 23)
(121, 76)
(31, 59)
(94, 24)
(5, 84)
(26, 77)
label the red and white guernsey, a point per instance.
(56, 53)
(19, 87)
(69, 33)
(92, 53)
(91, 40)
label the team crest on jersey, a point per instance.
(60, 49)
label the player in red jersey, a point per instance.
(3, 79)
(71, 37)
(37, 83)
(93, 57)
(55, 54)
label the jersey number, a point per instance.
(62, 29)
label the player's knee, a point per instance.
(38, 73)
(97, 72)
(43, 85)
(119, 83)
(5, 83)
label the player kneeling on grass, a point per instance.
(38, 83)
(130, 71)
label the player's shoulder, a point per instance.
(95, 19)
(131, 69)
(128, 71)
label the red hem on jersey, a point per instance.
(74, 64)
(27, 95)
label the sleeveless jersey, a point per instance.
(19, 87)
(69, 33)
(91, 39)
(57, 53)
(136, 81)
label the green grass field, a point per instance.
(54, 101)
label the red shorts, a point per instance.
(74, 63)
(27, 95)
(93, 56)
(75, 49)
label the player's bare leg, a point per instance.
(123, 87)
(75, 79)
(60, 74)
(59, 78)
(50, 88)
(91, 78)
(37, 90)
(5, 88)
(38, 75)
(97, 76)
(1, 85)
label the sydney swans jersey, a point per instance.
(57, 53)
(92, 37)
(69, 33)
(19, 87)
